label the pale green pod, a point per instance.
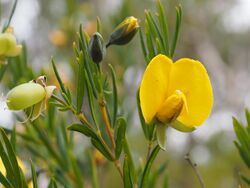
(25, 95)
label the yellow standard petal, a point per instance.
(191, 78)
(154, 86)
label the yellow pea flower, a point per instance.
(176, 92)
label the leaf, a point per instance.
(115, 98)
(177, 30)
(181, 127)
(91, 100)
(83, 129)
(162, 18)
(76, 168)
(6, 25)
(126, 174)
(247, 180)
(13, 138)
(161, 135)
(58, 76)
(94, 177)
(143, 47)
(34, 175)
(120, 136)
(12, 158)
(5, 181)
(52, 184)
(99, 145)
(155, 31)
(150, 45)
(80, 83)
(98, 25)
(146, 171)
(130, 161)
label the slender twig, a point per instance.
(106, 121)
(84, 120)
(194, 167)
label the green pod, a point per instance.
(25, 95)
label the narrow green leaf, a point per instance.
(126, 174)
(6, 25)
(34, 175)
(150, 45)
(13, 138)
(52, 184)
(5, 181)
(45, 140)
(62, 146)
(115, 98)
(177, 29)
(91, 100)
(23, 179)
(162, 17)
(148, 166)
(161, 135)
(247, 113)
(247, 180)
(58, 76)
(94, 177)
(76, 168)
(242, 136)
(83, 129)
(3, 69)
(157, 174)
(155, 31)
(98, 25)
(120, 136)
(8, 166)
(143, 47)
(99, 145)
(131, 164)
(12, 157)
(80, 83)
(245, 157)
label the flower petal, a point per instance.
(154, 86)
(191, 78)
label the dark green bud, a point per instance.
(124, 32)
(96, 47)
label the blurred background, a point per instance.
(214, 32)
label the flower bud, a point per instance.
(25, 95)
(8, 45)
(124, 32)
(96, 47)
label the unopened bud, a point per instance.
(8, 45)
(124, 32)
(96, 47)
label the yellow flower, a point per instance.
(176, 92)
